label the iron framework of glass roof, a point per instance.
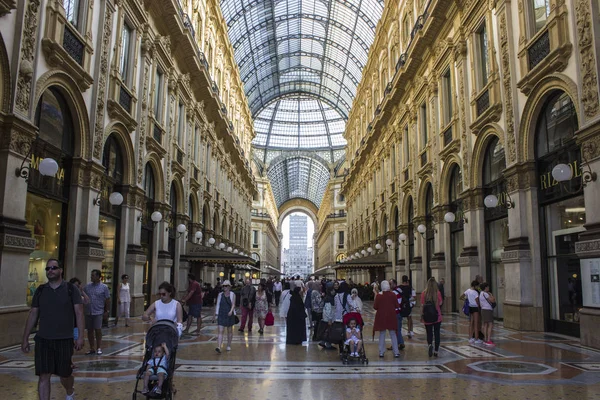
(301, 62)
(302, 177)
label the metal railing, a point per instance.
(73, 45)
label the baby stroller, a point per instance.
(163, 331)
(345, 349)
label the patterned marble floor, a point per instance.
(523, 365)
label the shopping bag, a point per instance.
(269, 319)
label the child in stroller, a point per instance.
(158, 365)
(353, 338)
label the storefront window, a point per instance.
(457, 238)
(564, 223)
(43, 218)
(108, 238)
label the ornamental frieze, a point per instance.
(30, 29)
(587, 65)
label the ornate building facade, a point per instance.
(464, 111)
(266, 239)
(141, 107)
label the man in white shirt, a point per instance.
(277, 287)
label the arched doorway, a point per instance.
(562, 212)
(496, 220)
(457, 237)
(46, 208)
(109, 224)
(147, 233)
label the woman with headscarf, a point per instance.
(328, 311)
(342, 301)
(357, 304)
(385, 318)
(296, 317)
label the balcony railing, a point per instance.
(196, 173)
(73, 45)
(483, 102)
(447, 136)
(125, 99)
(539, 50)
(339, 214)
(157, 133)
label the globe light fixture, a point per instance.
(181, 228)
(562, 172)
(402, 238)
(449, 217)
(115, 198)
(370, 249)
(198, 236)
(221, 246)
(235, 251)
(229, 249)
(377, 246)
(363, 252)
(211, 241)
(389, 242)
(48, 167)
(490, 201)
(357, 254)
(156, 217)
(421, 229)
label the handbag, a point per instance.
(491, 303)
(466, 309)
(336, 332)
(269, 319)
(237, 320)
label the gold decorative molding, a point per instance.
(587, 64)
(28, 43)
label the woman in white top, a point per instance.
(473, 295)
(166, 308)
(487, 300)
(124, 299)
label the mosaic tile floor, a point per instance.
(523, 365)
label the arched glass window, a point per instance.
(54, 121)
(149, 182)
(112, 159)
(456, 184)
(556, 125)
(428, 200)
(494, 162)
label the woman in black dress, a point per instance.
(296, 318)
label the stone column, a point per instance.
(84, 218)
(588, 246)
(523, 304)
(16, 241)
(469, 259)
(135, 257)
(420, 275)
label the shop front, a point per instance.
(562, 213)
(109, 224)
(496, 220)
(457, 237)
(47, 200)
(147, 233)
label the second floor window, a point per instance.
(341, 239)
(158, 87)
(181, 125)
(482, 56)
(124, 58)
(423, 118)
(254, 238)
(72, 11)
(406, 147)
(447, 96)
(540, 11)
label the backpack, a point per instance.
(466, 309)
(405, 306)
(430, 314)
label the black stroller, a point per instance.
(163, 331)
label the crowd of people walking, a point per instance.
(329, 310)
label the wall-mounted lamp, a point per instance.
(422, 229)
(211, 241)
(389, 243)
(357, 254)
(364, 252)
(402, 239)
(233, 275)
(181, 230)
(198, 236)
(450, 217)
(378, 247)
(235, 251)
(491, 201)
(221, 274)
(229, 249)
(370, 250)
(221, 246)
(47, 167)
(564, 172)
(115, 199)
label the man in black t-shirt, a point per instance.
(57, 304)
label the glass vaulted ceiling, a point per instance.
(301, 62)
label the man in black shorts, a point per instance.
(58, 305)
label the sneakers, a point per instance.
(381, 355)
(489, 343)
(435, 353)
(430, 350)
(478, 341)
(228, 348)
(70, 396)
(410, 334)
(397, 355)
(471, 341)
(218, 350)
(99, 351)
(401, 346)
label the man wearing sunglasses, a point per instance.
(57, 304)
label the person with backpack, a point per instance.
(56, 304)
(431, 316)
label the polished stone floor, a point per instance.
(523, 365)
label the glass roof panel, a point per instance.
(301, 62)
